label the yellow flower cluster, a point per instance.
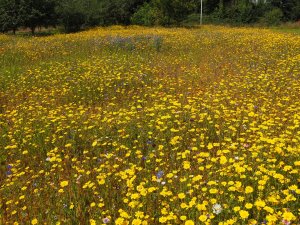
(131, 125)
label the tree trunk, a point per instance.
(32, 30)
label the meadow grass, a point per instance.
(132, 125)
(288, 30)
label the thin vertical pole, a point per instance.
(201, 11)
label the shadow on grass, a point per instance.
(43, 32)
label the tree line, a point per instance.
(74, 15)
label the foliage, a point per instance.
(119, 11)
(77, 14)
(147, 15)
(38, 13)
(10, 15)
(174, 11)
(72, 14)
(289, 8)
(272, 17)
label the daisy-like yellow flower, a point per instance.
(244, 214)
(202, 218)
(64, 183)
(189, 222)
(181, 195)
(34, 221)
(248, 189)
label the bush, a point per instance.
(77, 14)
(272, 17)
(146, 15)
(192, 19)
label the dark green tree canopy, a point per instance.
(74, 15)
(11, 15)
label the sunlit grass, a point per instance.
(150, 126)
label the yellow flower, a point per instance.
(248, 205)
(271, 218)
(181, 195)
(252, 222)
(136, 222)
(120, 221)
(237, 208)
(288, 216)
(186, 165)
(244, 214)
(260, 203)
(64, 183)
(202, 218)
(183, 205)
(223, 160)
(189, 222)
(34, 221)
(163, 219)
(183, 218)
(92, 222)
(241, 198)
(269, 209)
(94, 143)
(248, 189)
(213, 191)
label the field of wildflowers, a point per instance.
(150, 126)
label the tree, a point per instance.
(175, 11)
(71, 14)
(119, 11)
(147, 15)
(210, 5)
(11, 16)
(38, 13)
(289, 8)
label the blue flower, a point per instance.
(159, 174)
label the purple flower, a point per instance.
(9, 172)
(159, 174)
(149, 142)
(106, 220)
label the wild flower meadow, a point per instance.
(131, 125)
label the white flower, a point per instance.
(217, 209)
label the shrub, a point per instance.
(146, 15)
(272, 17)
